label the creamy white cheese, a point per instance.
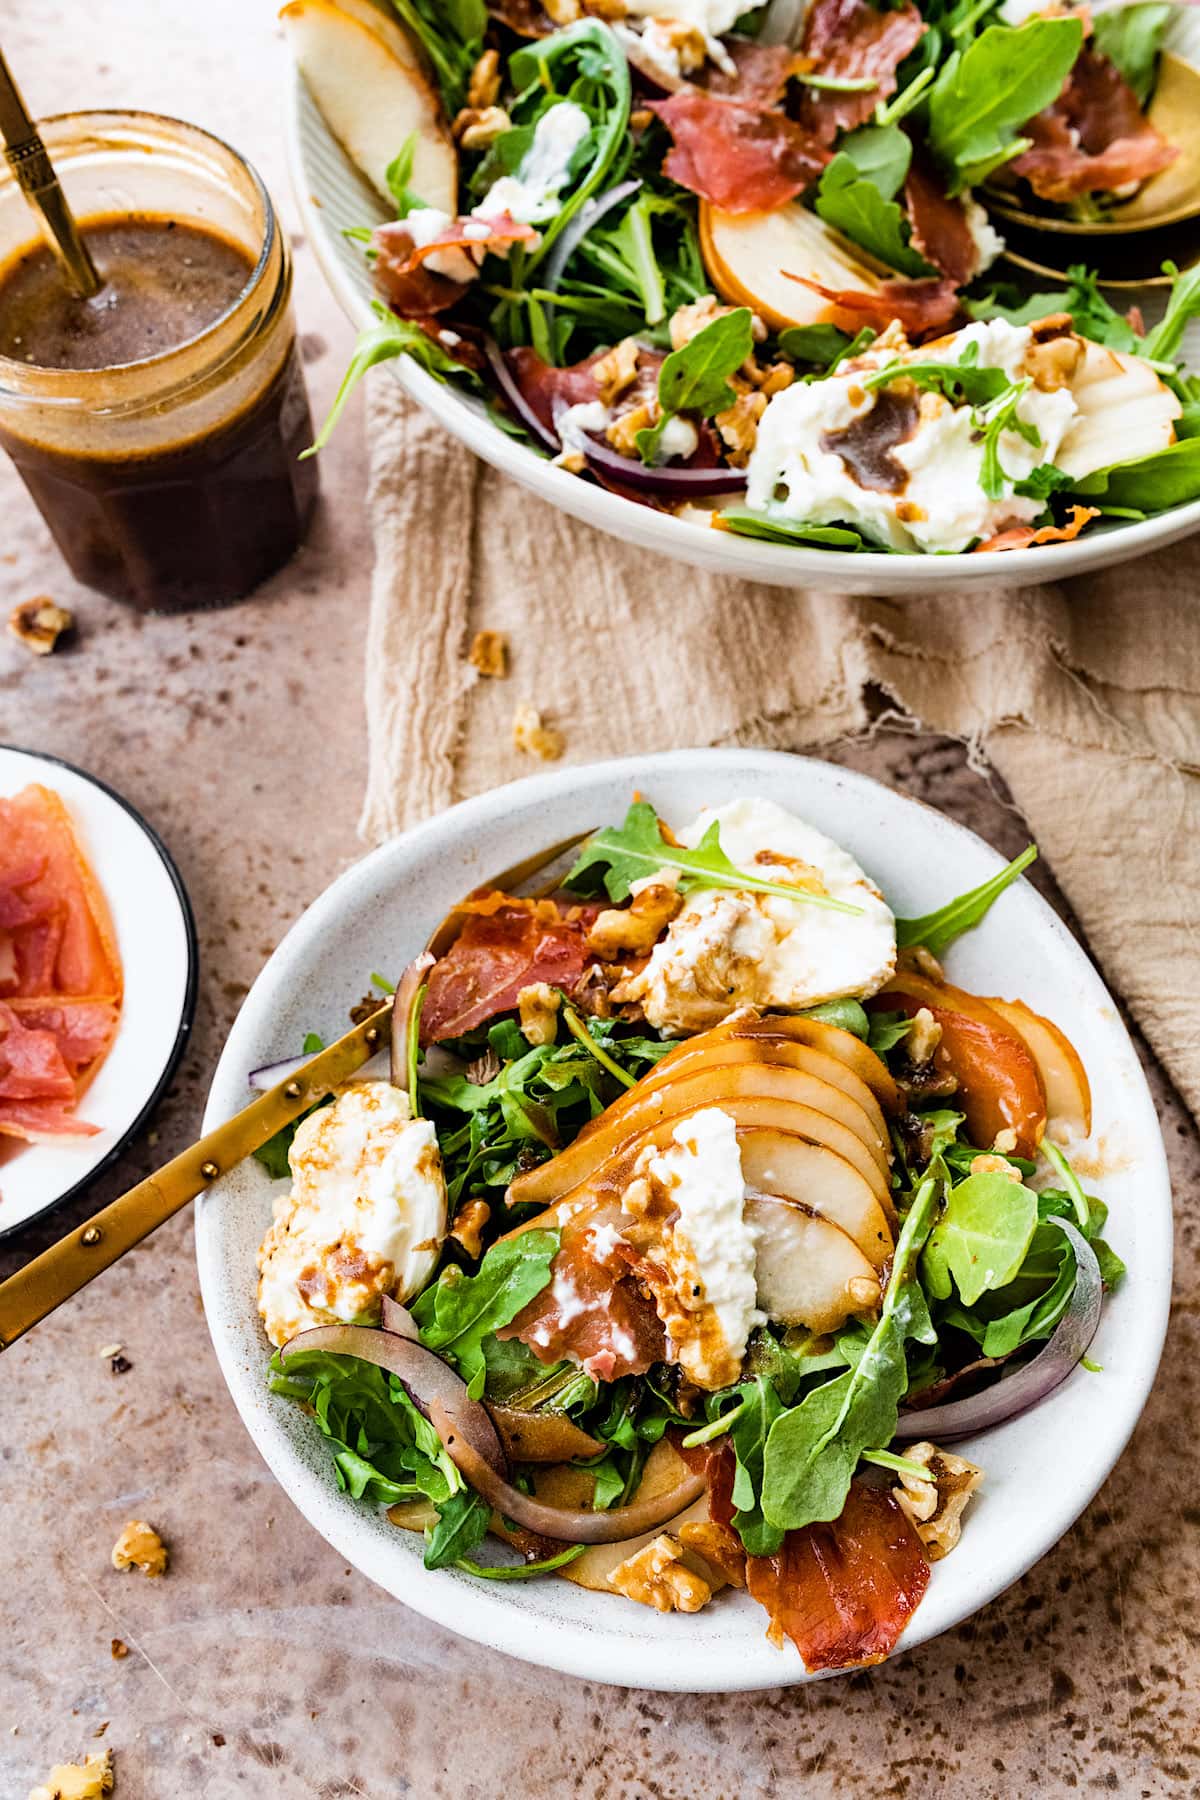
(679, 439)
(709, 1247)
(711, 18)
(530, 196)
(365, 1216)
(576, 423)
(941, 505)
(424, 224)
(730, 948)
(988, 241)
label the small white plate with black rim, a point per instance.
(1041, 1468)
(156, 938)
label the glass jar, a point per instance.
(172, 481)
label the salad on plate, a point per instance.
(734, 263)
(697, 1216)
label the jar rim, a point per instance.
(83, 377)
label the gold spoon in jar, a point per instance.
(67, 1266)
(26, 156)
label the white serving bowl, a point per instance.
(333, 196)
(1042, 1468)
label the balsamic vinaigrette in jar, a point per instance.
(176, 482)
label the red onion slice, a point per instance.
(561, 1523)
(506, 382)
(427, 1380)
(783, 22)
(396, 1318)
(269, 1075)
(406, 996)
(1049, 1368)
(667, 480)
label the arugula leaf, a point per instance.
(1162, 344)
(1151, 483)
(985, 93)
(399, 174)
(1042, 482)
(981, 1238)
(637, 848)
(521, 1571)
(695, 378)
(820, 344)
(761, 1406)
(887, 1029)
(461, 1527)
(963, 383)
(746, 523)
(1001, 416)
(937, 930)
(853, 205)
(847, 1015)
(459, 1311)
(881, 154)
(1091, 314)
(1131, 37)
(451, 34)
(273, 1155)
(813, 1449)
(379, 343)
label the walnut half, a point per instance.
(88, 1780)
(38, 624)
(936, 1505)
(140, 1547)
(657, 1576)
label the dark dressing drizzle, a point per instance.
(867, 443)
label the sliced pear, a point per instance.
(723, 1086)
(663, 1471)
(793, 1167)
(712, 1052)
(1124, 412)
(747, 254)
(809, 1272)
(541, 1437)
(373, 93)
(1068, 1092)
(858, 1057)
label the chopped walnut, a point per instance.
(935, 1505)
(657, 1576)
(774, 379)
(140, 1547)
(1054, 364)
(923, 1038)
(78, 1781)
(635, 928)
(718, 1545)
(617, 370)
(738, 426)
(534, 738)
(484, 87)
(489, 654)
(38, 624)
(640, 119)
(1005, 1141)
(119, 1649)
(995, 1165)
(476, 127)
(562, 12)
(923, 961)
(610, 10)
(367, 1007)
(676, 39)
(864, 1291)
(467, 1227)
(538, 1007)
(622, 433)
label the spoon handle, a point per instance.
(26, 156)
(61, 1270)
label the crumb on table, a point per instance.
(39, 623)
(88, 1780)
(534, 738)
(140, 1547)
(489, 653)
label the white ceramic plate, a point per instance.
(1042, 1469)
(333, 196)
(156, 936)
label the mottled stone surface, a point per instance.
(261, 1665)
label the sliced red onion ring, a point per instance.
(577, 228)
(1049, 1368)
(783, 22)
(406, 994)
(559, 1522)
(271, 1074)
(507, 384)
(427, 1380)
(396, 1318)
(669, 480)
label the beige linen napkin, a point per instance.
(1084, 697)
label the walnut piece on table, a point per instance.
(39, 623)
(88, 1780)
(489, 654)
(657, 1576)
(534, 738)
(935, 1505)
(140, 1547)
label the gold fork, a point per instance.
(67, 1266)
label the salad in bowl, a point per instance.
(734, 264)
(696, 1218)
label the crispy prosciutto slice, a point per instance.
(844, 1592)
(940, 231)
(1020, 537)
(740, 154)
(921, 307)
(32, 1066)
(593, 1312)
(1094, 139)
(82, 1029)
(66, 944)
(416, 291)
(509, 946)
(850, 40)
(760, 71)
